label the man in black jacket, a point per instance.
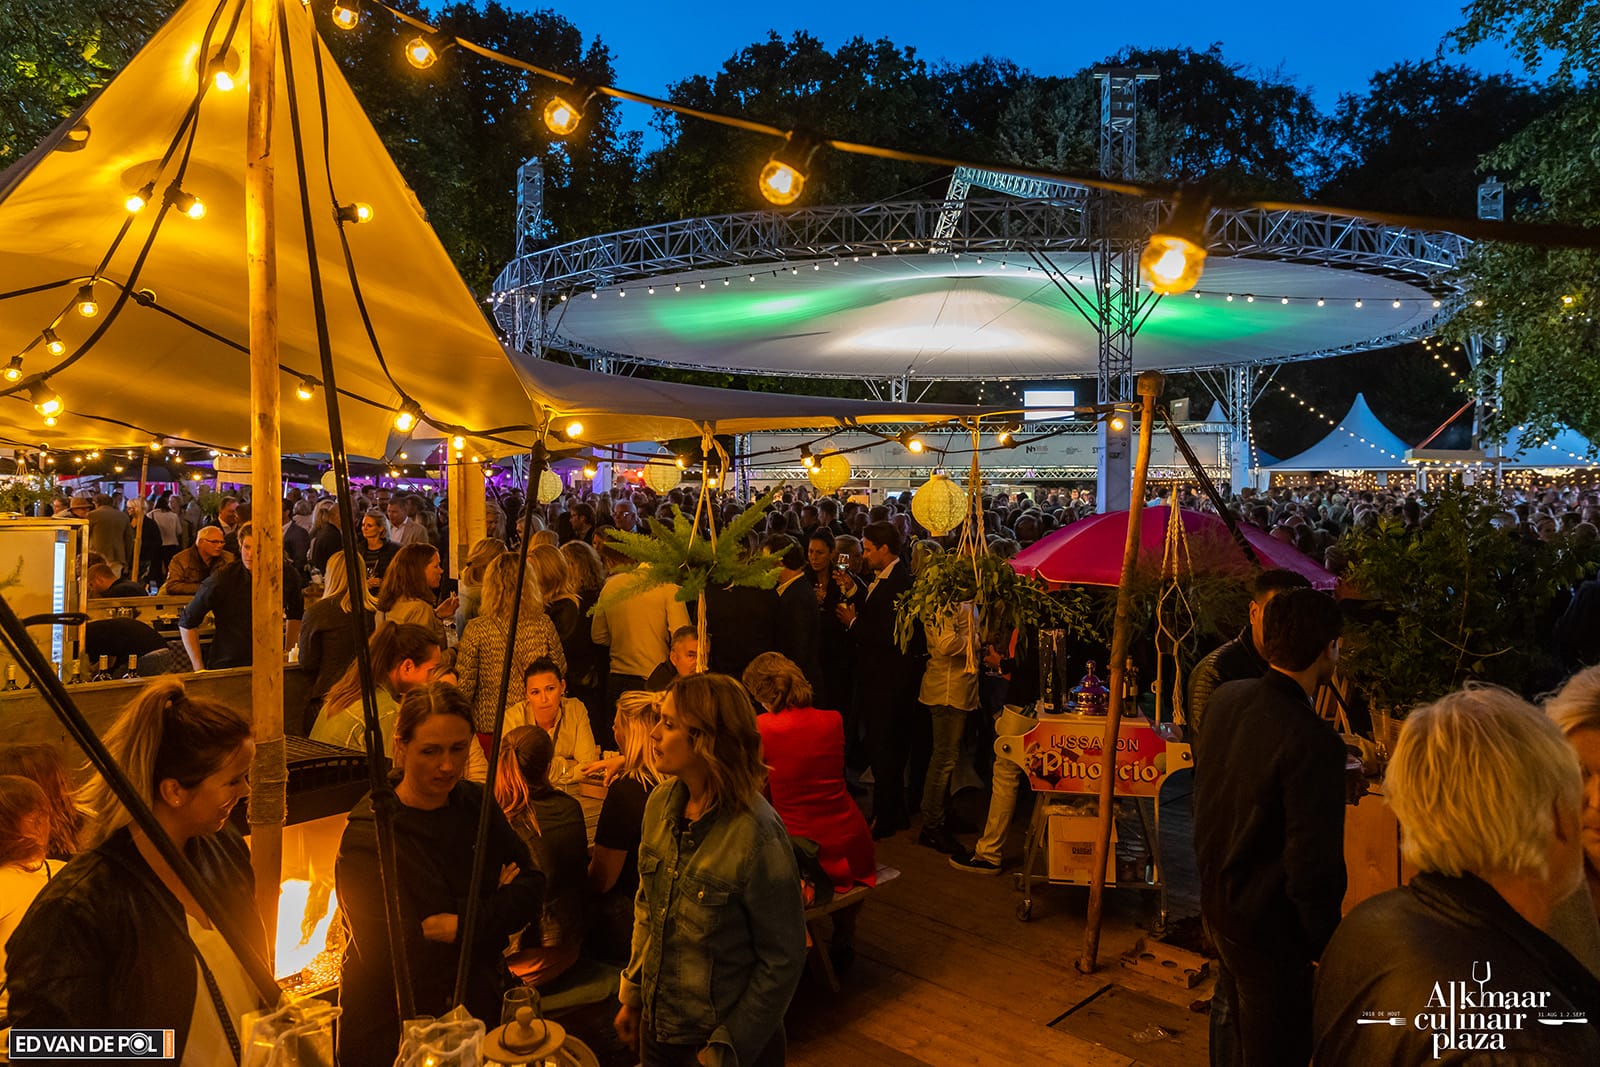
(799, 620)
(1490, 798)
(1242, 657)
(1269, 802)
(886, 678)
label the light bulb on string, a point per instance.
(45, 401)
(306, 389)
(1175, 255)
(52, 344)
(13, 371)
(139, 198)
(187, 203)
(223, 69)
(346, 15)
(357, 212)
(87, 305)
(420, 53)
(574, 430)
(458, 443)
(407, 416)
(807, 460)
(783, 178)
(561, 116)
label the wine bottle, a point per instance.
(133, 668)
(11, 679)
(102, 671)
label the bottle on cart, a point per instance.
(73, 676)
(1130, 686)
(11, 679)
(102, 671)
(133, 668)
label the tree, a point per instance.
(54, 55)
(1413, 141)
(1538, 304)
(459, 130)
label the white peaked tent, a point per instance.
(1527, 450)
(1358, 442)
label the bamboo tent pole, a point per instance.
(270, 773)
(1150, 386)
(138, 531)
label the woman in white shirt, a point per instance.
(545, 704)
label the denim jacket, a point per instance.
(719, 935)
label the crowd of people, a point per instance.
(813, 721)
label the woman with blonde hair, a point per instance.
(102, 944)
(409, 593)
(719, 934)
(484, 552)
(327, 643)
(480, 658)
(614, 866)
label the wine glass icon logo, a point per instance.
(1488, 972)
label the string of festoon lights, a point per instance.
(1173, 258)
(1336, 424)
(716, 281)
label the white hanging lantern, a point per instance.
(939, 505)
(550, 486)
(329, 483)
(662, 474)
(831, 472)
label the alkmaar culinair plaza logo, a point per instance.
(1473, 1015)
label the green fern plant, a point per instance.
(1004, 599)
(677, 555)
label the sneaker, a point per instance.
(972, 864)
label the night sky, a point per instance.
(1328, 49)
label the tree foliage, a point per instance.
(1537, 305)
(53, 56)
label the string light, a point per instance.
(306, 389)
(357, 212)
(574, 429)
(13, 371)
(912, 442)
(187, 203)
(52, 344)
(459, 443)
(420, 53)
(137, 200)
(561, 116)
(346, 15)
(407, 416)
(223, 69)
(783, 179)
(45, 401)
(88, 306)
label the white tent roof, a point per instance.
(175, 365)
(1358, 442)
(1527, 449)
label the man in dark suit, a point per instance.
(741, 622)
(886, 677)
(1269, 797)
(799, 620)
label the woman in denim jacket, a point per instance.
(719, 930)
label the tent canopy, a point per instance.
(1358, 442)
(1526, 449)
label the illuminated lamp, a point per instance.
(831, 472)
(550, 486)
(561, 116)
(1175, 255)
(939, 505)
(783, 179)
(661, 475)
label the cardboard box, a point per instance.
(1070, 851)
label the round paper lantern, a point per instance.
(662, 474)
(831, 472)
(329, 483)
(549, 486)
(939, 505)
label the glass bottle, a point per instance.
(11, 679)
(133, 668)
(102, 671)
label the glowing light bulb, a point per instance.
(189, 204)
(50, 420)
(1358, 303)
(13, 371)
(45, 401)
(574, 428)
(589, 470)
(88, 306)
(1118, 423)
(1175, 255)
(562, 117)
(136, 201)
(407, 416)
(781, 183)
(916, 445)
(53, 344)
(420, 53)
(306, 389)
(357, 212)
(458, 443)
(344, 16)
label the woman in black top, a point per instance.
(614, 867)
(376, 548)
(327, 646)
(435, 830)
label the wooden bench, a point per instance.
(817, 951)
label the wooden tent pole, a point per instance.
(270, 773)
(138, 531)
(1150, 386)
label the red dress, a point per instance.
(804, 747)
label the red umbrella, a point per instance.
(1089, 552)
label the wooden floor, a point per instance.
(946, 974)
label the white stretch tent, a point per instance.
(1358, 442)
(1526, 450)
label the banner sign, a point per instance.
(1062, 754)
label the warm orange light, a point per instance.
(781, 183)
(560, 117)
(420, 53)
(1171, 264)
(345, 17)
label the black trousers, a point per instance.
(1271, 1009)
(887, 704)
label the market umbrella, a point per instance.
(1089, 552)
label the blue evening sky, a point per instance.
(1327, 48)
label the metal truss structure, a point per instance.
(542, 279)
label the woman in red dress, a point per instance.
(804, 747)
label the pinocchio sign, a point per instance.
(1064, 754)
